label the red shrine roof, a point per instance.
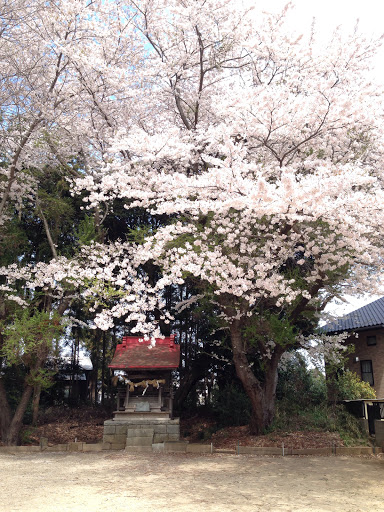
(133, 353)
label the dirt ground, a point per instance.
(98, 482)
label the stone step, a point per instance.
(140, 432)
(139, 441)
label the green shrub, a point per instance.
(351, 387)
(302, 402)
(298, 384)
(348, 426)
(319, 418)
(27, 435)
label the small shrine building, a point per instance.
(147, 387)
(143, 375)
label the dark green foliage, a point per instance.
(85, 233)
(59, 209)
(231, 406)
(14, 241)
(297, 384)
(14, 383)
(270, 327)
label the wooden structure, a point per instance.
(146, 390)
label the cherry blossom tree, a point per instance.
(263, 148)
(51, 118)
(266, 151)
(58, 106)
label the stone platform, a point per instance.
(139, 433)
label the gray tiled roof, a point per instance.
(370, 315)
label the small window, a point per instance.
(367, 372)
(371, 340)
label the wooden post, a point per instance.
(126, 401)
(171, 400)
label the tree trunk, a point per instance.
(187, 382)
(331, 383)
(250, 383)
(12, 435)
(270, 384)
(35, 404)
(5, 411)
(262, 397)
(95, 359)
(103, 369)
(188, 379)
